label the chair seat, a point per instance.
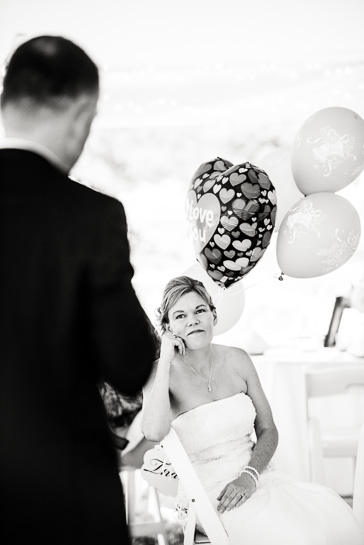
(340, 441)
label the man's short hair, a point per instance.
(47, 69)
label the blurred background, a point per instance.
(185, 82)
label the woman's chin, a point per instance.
(197, 340)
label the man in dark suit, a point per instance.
(69, 317)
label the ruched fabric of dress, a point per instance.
(217, 437)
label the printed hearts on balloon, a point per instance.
(231, 212)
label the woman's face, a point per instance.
(192, 320)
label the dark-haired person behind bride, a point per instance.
(211, 395)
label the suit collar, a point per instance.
(35, 147)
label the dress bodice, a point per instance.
(218, 431)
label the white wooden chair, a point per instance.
(333, 442)
(199, 504)
(358, 495)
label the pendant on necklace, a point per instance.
(209, 388)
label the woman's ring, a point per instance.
(240, 496)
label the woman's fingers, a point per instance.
(178, 343)
(226, 499)
(241, 499)
(222, 493)
(231, 497)
(170, 344)
(237, 500)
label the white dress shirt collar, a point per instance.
(30, 145)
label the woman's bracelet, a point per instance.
(254, 471)
(254, 474)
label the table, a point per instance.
(281, 374)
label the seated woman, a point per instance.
(211, 395)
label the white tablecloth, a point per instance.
(281, 374)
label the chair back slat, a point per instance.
(332, 433)
(358, 495)
(196, 493)
(334, 380)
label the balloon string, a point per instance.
(251, 286)
(277, 276)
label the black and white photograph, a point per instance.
(182, 272)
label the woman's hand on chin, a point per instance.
(236, 493)
(170, 346)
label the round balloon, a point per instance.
(229, 302)
(158, 471)
(277, 163)
(231, 213)
(318, 235)
(328, 152)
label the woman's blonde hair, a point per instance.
(174, 290)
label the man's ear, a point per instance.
(83, 115)
(80, 116)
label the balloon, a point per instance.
(277, 163)
(158, 471)
(318, 235)
(231, 216)
(229, 302)
(328, 152)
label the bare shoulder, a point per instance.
(236, 357)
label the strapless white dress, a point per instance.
(217, 439)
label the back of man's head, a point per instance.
(48, 70)
(50, 95)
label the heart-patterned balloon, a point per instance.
(230, 208)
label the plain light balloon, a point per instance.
(229, 302)
(318, 235)
(328, 152)
(277, 164)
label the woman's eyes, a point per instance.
(178, 316)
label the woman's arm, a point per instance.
(156, 412)
(265, 428)
(239, 490)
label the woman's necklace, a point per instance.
(209, 388)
